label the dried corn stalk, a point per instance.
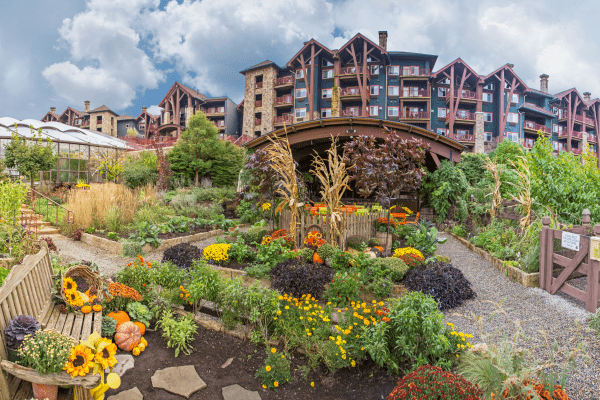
(283, 165)
(334, 182)
(524, 185)
(495, 170)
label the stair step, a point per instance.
(48, 231)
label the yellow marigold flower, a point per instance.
(353, 363)
(287, 307)
(312, 384)
(278, 312)
(273, 350)
(275, 383)
(266, 206)
(264, 386)
(367, 322)
(268, 368)
(280, 298)
(407, 250)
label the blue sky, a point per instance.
(126, 54)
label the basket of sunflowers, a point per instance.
(81, 286)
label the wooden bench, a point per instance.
(28, 290)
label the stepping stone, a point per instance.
(131, 394)
(179, 380)
(125, 362)
(236, 392)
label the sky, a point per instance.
(126, 54)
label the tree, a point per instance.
(200, 152)
(30, 156)
(3, 175)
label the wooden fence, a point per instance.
(565, 254)
(352, 225)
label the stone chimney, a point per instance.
(511, 65)
(87, 106)
(383, 40)
(144, 109)
(587, 96)
(53, 110)
(544, 83)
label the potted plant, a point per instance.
(19, 327)
(47, 352)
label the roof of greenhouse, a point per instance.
(59, 132)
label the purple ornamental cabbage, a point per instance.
(18, 328)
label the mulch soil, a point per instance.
(212, 349)
(170, 235)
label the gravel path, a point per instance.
(503, 304)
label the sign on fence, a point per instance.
(571, 240)
(595, 248)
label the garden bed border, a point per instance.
(525, 279)
(7, 263)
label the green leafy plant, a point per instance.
(326, 251)
(594, 322)
(47, 352)
(131, 248)
(205, 285)
(276, 371)
(424, 238)
(179, 333)
(109, 326)
(146, 234)
(344, 288)
(394, 267)
(459, 230)
(446, 186)
(241, 252)
(358, 243)
(178, 224)
(255, 234)
(139, 312)
(112, 236)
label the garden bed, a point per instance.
(7, 262)
(524, 278)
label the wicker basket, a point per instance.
(82, 272)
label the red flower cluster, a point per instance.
(384, 311)
(558, 392)
(384, 221)
(429, 382)
(412, 260)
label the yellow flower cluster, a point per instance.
(462, 337)
(217, 252)
(266, 206)
(267, 240)
(407, 250)
(408, 211)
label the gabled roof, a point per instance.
(289, 64)
(509, 69)
(72, 109)
(360, 36)
(592, 101)
(103, 108)
(124, 118)
(187, 90)
(416, 56)
(241, 105)
(564, 93)
(156, 117)
(457, 61)
(260, 65)
(539, 92)
(51, 114)
(539, 110)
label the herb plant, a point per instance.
(146, 234)
(276, 371)
(179, 333)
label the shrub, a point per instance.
(446, 284)
(276, 371)
(396, 267)
(50, 243)
(432, 383)
(140, 171)
(356, 242)
(344, 288)
(326, 251)
(459, 230)
(472, 166)
(295, 277)
(305, 255)
(374, 242)
(255, 234)
(131, 248)
(182, 255)
(446, 186)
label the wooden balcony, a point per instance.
(461, 137)
(353, 112)
(462, 117)
(574, 135)
(350, 72)
(257, 121)
(350, 93)
(287, 119)
(415, 94)
(415, 116)
(531, 126)
(214, 111)
(284, 81)
(466, 96)
(528, 143)
(284, 101)
(584, 120)
(258, 85)
(258, 103)
(415, 72)
(592, 138)
(577, 151)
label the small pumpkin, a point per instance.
(379, 248)
(86, 309)
(141, 346)
(128, 336)
(136, 351)
(119, 316)
(97, 307)
(141, 326)
(317, 258)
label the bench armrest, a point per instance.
(62, 378)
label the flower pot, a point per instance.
(45, 391)
(13, 355)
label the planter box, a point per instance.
(525, 279)
(7, 262)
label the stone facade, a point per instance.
(479, 134)
(108, 125)
(189, 113)
(166, 118)
(335, 102)
(268, 73)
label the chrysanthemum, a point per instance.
(80, 361)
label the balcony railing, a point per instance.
(462, 115)
(214, 110)
(574, 135)
(258, 103)
(462, 137)
(220, 124)
(353, 70)
(592, 138)
(528, 143)
(465, 94)
(258, 85)
(415, 115)
(350, 91)
(415, 72)
(353, 112)
(287, 99)
(415, 92)
(577, 151)
(537, 127)
(287, 119)
(583, 119)
(284, 80)
(257, 121)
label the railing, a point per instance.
(415, 92)
(465, 94)
(350, 91)
(415, 115)
(214, 110)
(353, 71)
(462, 137)
(284, 100)
(257, 121)
(284, 80)
(37, 199)
(528, 143)
(258, 103)
(463, 115)
(283, 119)
(140, 144)
(592, 138)
(537, 127)
(415, 72)
(577, 151)
(258, 85)
(583, 119)
(220, 124)
(353, 112)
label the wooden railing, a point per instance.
(411, 92)
(462, 137)
(537, 127)
(350, 91)
(583, 119)
(214, 110)
(284, 80)
(462, 114)
(258, 85)
(286, 99)
(353, 112)
(287, 119)
(465, 94)
(592, 138)
(258, 103)
(415, 72)
(415, 115)
(38, 200)
(257, 121)
(353, 70)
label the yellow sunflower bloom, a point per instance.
(80, 361)
(106, 356)
(69, 285)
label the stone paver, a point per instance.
(125, 362)
(179, 380)
(131, 394)
(236, 392)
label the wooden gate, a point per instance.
(558, 265)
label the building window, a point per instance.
(512, 136)
(99, 120)
(326, 113)
(127, 126)
(441, 131)
(515, 98)
(374, 90)
(328, 74)
(410, 92)
(393, 90)
(488, 97)
(442, 112)
(301, 93)
(220, 110)
(410, 71)
(487, 116)
(513, 118)
(487, 136)
(394, 70)
(300, 74)
(300, 112)
(392, 111)
(374, 69)
(326, 63)
(326, 93)
(558, 129)
(373, 111)
(489, 86)
(99, 129)
(442, 92)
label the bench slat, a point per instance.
(60, 323)
(36, 298)
(23, 299)
(15, 309)
(68, 324)
(53, 318)
(87, 326)
(77, 324)
(98, 322)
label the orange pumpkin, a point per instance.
(141, 326)
(119, 316)
(86, 309)
(317, 259)
(379, 248)
(97, 307)
(128, 336)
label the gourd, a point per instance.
(119, 316)
(128, 336)
(141, 327)
(86, 309)
(97, 307)
(317, 259)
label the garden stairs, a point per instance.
(35, 222)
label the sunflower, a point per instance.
(106, 356)
(74, 299)
(80, 361)
(69, 285)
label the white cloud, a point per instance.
(155, 110)
(104, 37)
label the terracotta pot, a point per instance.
(45, 391)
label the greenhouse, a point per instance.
(80, 151)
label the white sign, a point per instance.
(571, 241)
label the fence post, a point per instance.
(585, 219)
(593, 288)
(545, 242)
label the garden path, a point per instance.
(501, 305)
